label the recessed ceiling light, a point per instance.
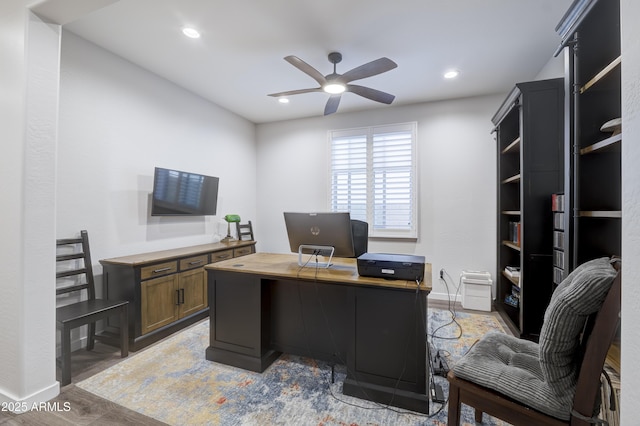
(451, 74)
(283, 100)
(190, 32)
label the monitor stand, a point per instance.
(326, 251)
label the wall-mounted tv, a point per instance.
(178, 193)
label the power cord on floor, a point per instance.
(451, 308)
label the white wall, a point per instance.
(29, 54)
(456, 167)
(554, 68)
(117, 122)
(630, 412)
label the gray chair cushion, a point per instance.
(511, 366)
(543, 376)
(578, 296)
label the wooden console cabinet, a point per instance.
(166, 290)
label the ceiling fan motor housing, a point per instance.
(335, 57)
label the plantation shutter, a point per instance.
(373, 178)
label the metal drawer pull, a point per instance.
(195, 262)
(222, 256)
(157, 271)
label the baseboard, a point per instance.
(446, 297)
(37, 401)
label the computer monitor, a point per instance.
(326, 234)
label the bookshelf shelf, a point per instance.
(512, 179)
(604, 145)
(511, 212)
(514, 280)
(602, 74)
(511, 244)
(512, 147)
(611, 214)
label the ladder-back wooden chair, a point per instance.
(557, 381)
(73, 268)
(244, 231)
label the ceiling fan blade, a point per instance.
(295, 92)
(369, 93)
(306, 68)
(369, 69)
(332, 104)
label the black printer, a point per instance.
(391, 266)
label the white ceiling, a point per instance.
(239, 58)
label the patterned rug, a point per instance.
(174, 383)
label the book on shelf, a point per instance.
(557, 202)
(514, 232)
(512, 271)
(511, 300)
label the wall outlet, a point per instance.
(442, 274)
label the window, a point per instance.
(373, 176)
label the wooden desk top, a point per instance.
(164, 255)
(286, 266)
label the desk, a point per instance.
(264, 304)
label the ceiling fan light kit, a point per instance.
(335, 84)
(334, 88)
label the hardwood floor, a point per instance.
(75, 406)
(84, 408)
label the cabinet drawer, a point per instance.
(221, 255)
(158, 270)
(242, 251)
(194, 262)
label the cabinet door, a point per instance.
(159, 304)
(193, 291)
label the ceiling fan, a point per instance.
(335, 84)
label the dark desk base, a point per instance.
(245, 362)
(377, 332)
(387, 396)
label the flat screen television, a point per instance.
(178, 193)
(316, 233)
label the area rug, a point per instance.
(174, 383)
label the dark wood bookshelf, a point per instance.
(529, 134)
(590, 30)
